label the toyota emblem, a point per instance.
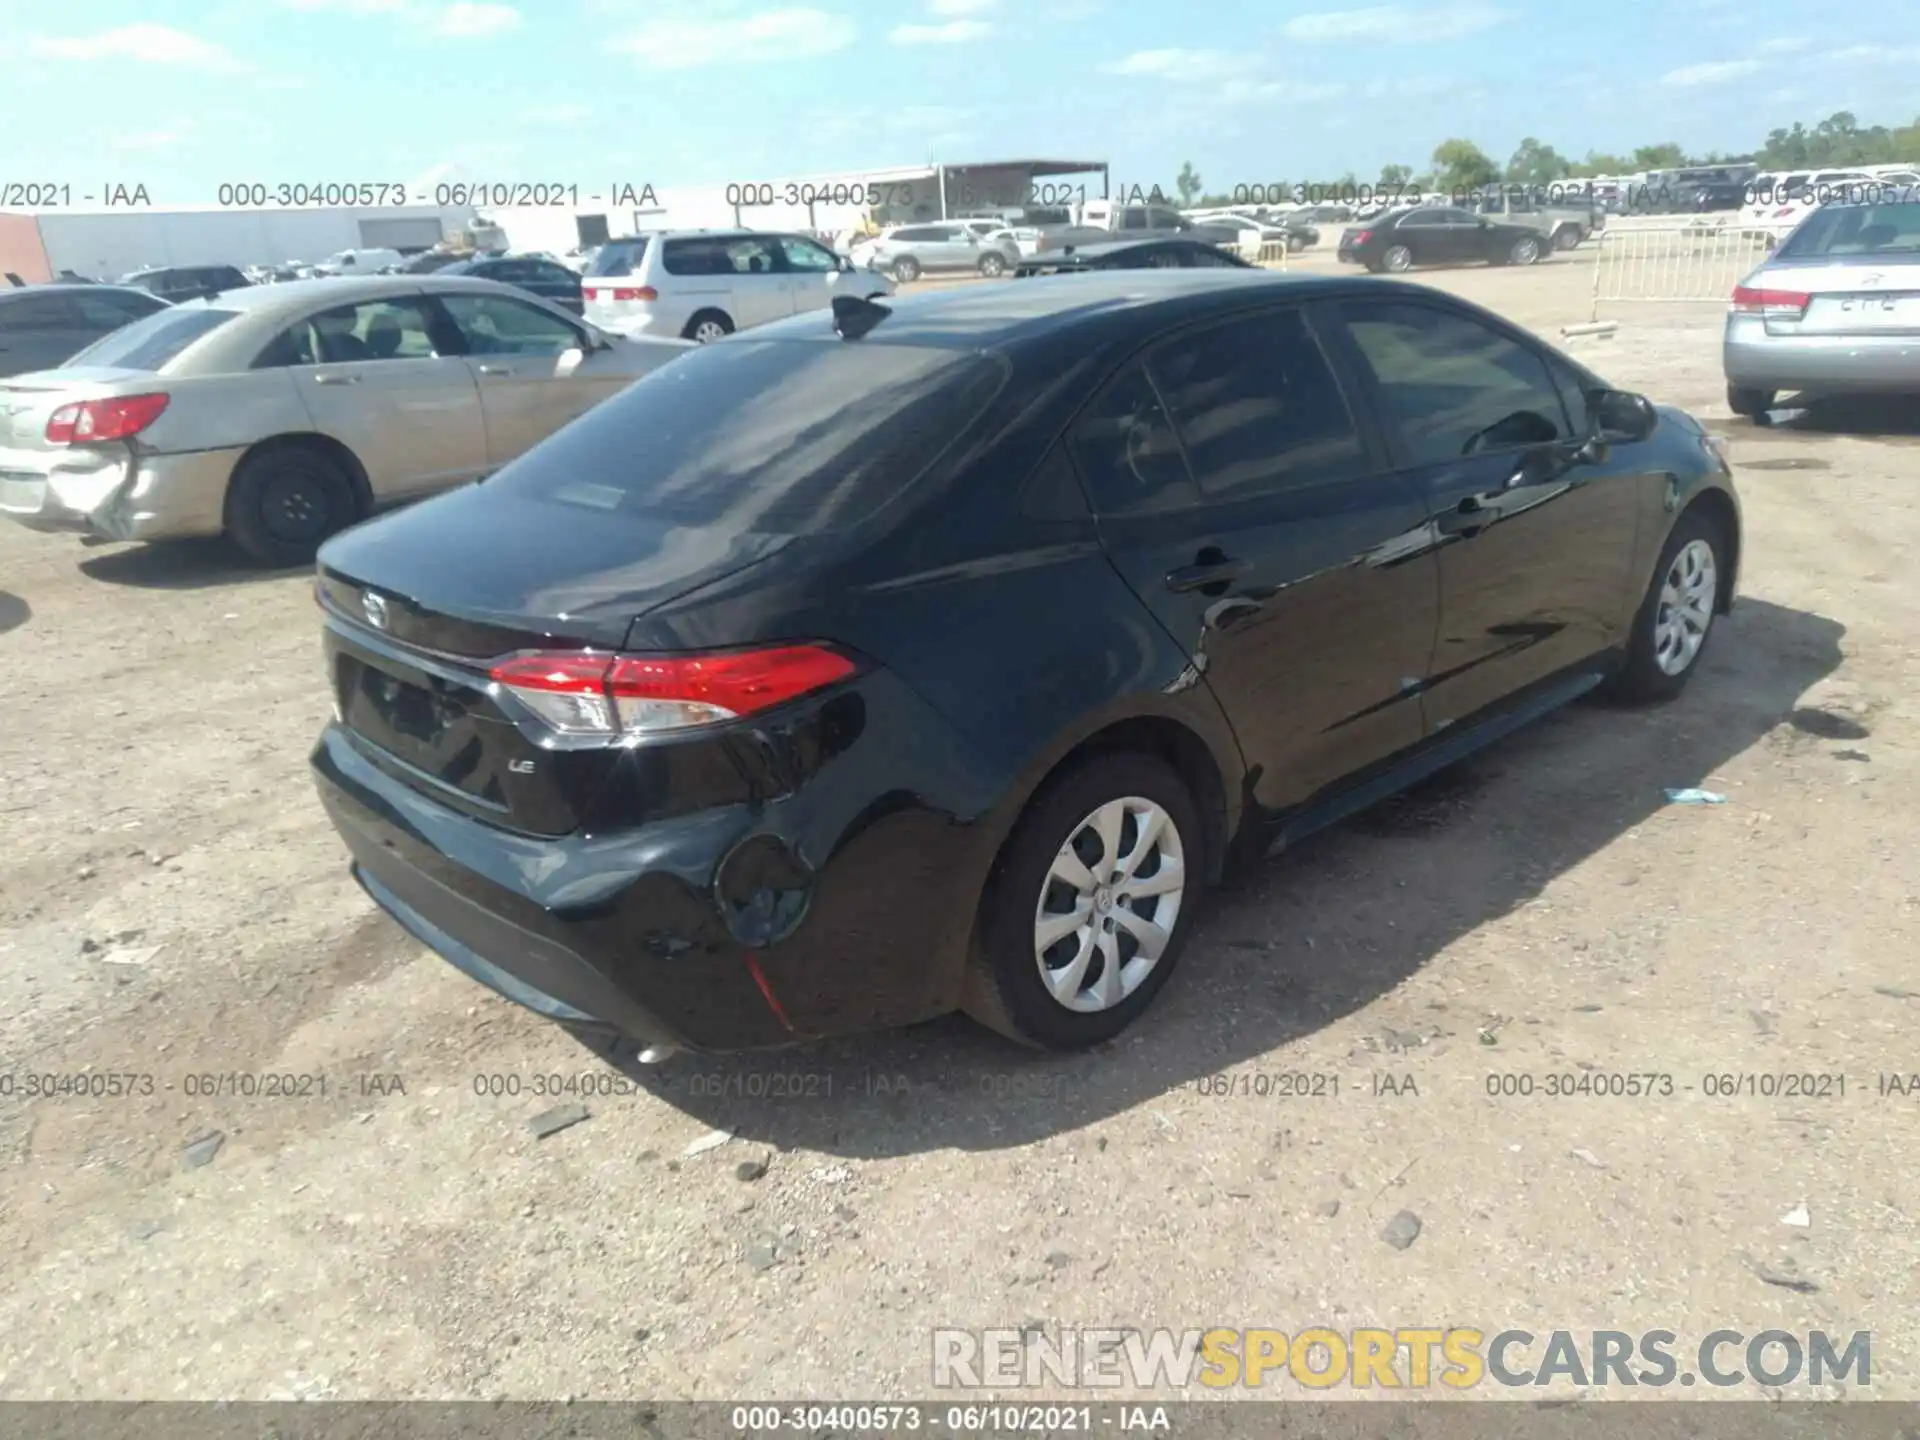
(375, 607)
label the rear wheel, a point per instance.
(708, 326)
(1674, 620)
(1089, 906)
(993, 266)
(1747, 402)
(1566, 237)
(1396, 259)
(906, 269)
(283, 501)
(1296, 243)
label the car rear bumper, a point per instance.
(114, 493)
(629, 931)
(1838, 364)
(656, 323)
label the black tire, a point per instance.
(1296, 243)
(905, 269)
(1641, 678)
(1525, 251)
(1396, 258)
(1749, 403)
(1005, 991)
(993, 266)
(284, 501)
(1566, 237)
(703, 323)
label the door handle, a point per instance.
(336, 379)
(1203, 573)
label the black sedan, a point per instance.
(1438, 235)
(940, 653)
(1167, 254)
(548, 279)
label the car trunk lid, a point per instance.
(1851, 299)
(27, 402)
(414, 629)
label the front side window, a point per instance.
(351, 334)
(806, 255)
(1453, 387)
(1257, 407)
(495, 325)
(1126, 451)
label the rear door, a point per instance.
(1237, 494)
(1535, 550)
(528, 365)
(386, 379)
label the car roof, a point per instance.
(294, 295)
(70, 287)
(1116, 247)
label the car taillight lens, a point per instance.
(87, 422)
(585, 692)
(631, 292)
(1789, 304)
(1361, 237)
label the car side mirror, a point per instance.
(1621, 415)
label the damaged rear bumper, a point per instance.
(117, 493)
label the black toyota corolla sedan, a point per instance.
(1438, 235)
(939, 653)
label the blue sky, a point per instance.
(181, 96)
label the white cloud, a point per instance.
(1711, 72)
(348, 7)
(469, 20)
(1400, 24)
(149, 44)
(565, 113)
(753, 39)
(1784, 45)
(149, 140)
(960, 7)
(953, 32)
(1874, 54)
(1194, 65)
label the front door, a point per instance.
(523, 359)
(810, 270)
(384, 379)
(1237, 497)
(1535, 545)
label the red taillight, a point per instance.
(594, 693)
(644, 292)
(1783, 212)
(87, 422)
(1363, 237)
(1790, 304)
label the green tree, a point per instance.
(1666, 156)
(1536, 164)
(1391, 175)
(1187, 182)
(1462, 165)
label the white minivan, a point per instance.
(359, 262)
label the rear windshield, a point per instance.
(779, 436)
(618, 257)
(1863, 230)
(150, 343)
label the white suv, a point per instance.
(703, 284)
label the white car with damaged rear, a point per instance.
(279, 414)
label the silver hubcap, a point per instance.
(708, 331)
(1686, 607)
(1109, 904)
(1399, 257)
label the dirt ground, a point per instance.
(1542, 909)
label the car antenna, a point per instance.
(855, 315)
(15, 280)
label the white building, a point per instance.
(823, 204)
(103, 244)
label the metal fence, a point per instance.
(1271, 256)
(1696, 264)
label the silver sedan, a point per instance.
(280, 414)
(1834, 311)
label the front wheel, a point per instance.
(1671, 627)
(1566, 237)
(906, 269)
(1089, 905)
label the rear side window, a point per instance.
(783, 437)
(720, 255)
(1453, 386)
(1127, 452)
(113, 310)
(1863, 230)
(154, 342)
(619, 257)
(38, 312)
(1257, 407)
